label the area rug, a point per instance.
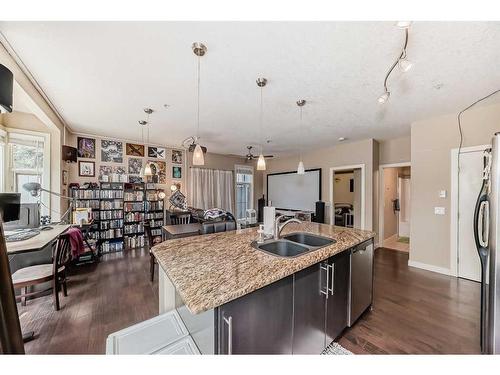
(404, 239)
(336, 349)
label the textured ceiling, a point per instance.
(101, 75)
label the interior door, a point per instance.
(470, 180)
(404, 206)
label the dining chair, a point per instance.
(54, 272)
(152, 258)
(182, 219)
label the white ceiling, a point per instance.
(100, 75)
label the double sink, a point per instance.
(293, 244)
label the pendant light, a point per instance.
(199, 49)
(300, 167)
(146, 171)
(261, 162)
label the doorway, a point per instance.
(394, 212)
(347, 196)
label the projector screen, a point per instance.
(292, 191)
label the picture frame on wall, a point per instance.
(86, 169)
(157, 152)
(134, 165)
(177, 172)
(86, 147)
(177, 156)
(133, 149)
(111, 151)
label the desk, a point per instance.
(181, 230)
(38, 242)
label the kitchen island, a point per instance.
(236, 299)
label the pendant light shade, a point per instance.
(147, 170)
(198, 158)
(300, 168)
(261, 163)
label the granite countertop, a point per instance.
(213, 269)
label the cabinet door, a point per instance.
(258, 323)
(336, 315)
(310, 309)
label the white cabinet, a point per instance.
(164, 334)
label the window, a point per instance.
(28, 160)
(244, 190)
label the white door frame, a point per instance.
(381, 197)
(454, 197)
(363, 190)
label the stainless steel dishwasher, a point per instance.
(360, 281)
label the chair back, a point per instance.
(147, 230)
(216, 227)
(182, 219)
(62, 254)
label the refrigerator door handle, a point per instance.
(483, 223)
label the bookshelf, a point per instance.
(133, 208)
(154, 211)
(111, 217)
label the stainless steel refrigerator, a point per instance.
(487, 239)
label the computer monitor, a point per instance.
(10, 204)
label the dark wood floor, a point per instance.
(415, 311)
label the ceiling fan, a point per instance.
(249, 156)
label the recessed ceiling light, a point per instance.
(342, 139)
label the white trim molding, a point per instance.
(363, 190)
(381, 196)
(430, 267)
(454, 197)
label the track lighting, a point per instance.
(403, 24)
(403, 64)
(384, 97)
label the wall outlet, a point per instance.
(442, 194)
(439, 211)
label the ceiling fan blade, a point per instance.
(268, 156)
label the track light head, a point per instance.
(404, 65)
(382, 99)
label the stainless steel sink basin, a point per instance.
(282, 248)
(309, 239)
(293, 244)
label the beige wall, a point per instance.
(397, 150)
(345, 154)
(431, 143)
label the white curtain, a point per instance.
(211, 188)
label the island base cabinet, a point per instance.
(310, 309)
(338, 292)
(258, 323)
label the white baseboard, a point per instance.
(430, 267)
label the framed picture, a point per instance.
(135, 150)
(65, 177)
(111, 151)
(105, 172)
(134, 166)
(157, 152)
(176, 172)
(86, 147)
(86, 168)
(177, 156)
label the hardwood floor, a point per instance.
(414, 311)
(102, 299)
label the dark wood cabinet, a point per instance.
(337, 302)
(258, 323)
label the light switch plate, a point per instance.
(439, 211)
(442, 194)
